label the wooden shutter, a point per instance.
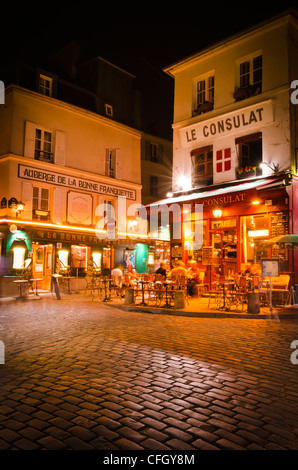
(27, 196)
(118, 158)
(107, 162)
(227, 162)
(29, 143)
(219, 161)
(60, 148)
(58, 200)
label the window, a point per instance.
(223, 160)
(204, 101)
(45, 85)
(202, 165)
(108, 210)
(153, 185)
(249, 150)
(250, 78)
(43, 146)
(108, 110)
(40, 203)
(113, 163)
(110, 163)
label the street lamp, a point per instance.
(273, 166)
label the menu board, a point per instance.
(207, 254)
(176, 250)
(270, 267)
(279, 224)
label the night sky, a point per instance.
(33, 31)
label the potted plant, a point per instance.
(246, 172)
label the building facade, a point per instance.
(77, 173)
(235, 149)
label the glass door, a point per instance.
(224, 243)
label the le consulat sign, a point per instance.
(248, 118)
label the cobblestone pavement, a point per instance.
(83, 375)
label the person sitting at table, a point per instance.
(178, 270)
(117, 274)
(193, 273)
(162, 270)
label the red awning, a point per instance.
(244, 186)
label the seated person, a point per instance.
(117, 274)
(193, 278)
(162, 269)
(179, 270)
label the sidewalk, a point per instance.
(198, 307)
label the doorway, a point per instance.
(224, 243)
(42, 265)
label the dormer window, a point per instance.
(45, 85)
(109, 110)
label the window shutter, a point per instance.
(219, 163)
(227, 159)
(118, 156)
(27, 196)
(29, 143)
(58, 198)
(107, 162)
(60, 148)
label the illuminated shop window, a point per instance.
(18, 257)
(63, 257)
(97, 258)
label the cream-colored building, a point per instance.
(236, 88)
(235, 149)
(70, 167)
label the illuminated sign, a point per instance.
(223, 200)
(247, 118)
(44, 176)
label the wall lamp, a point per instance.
(13, 203)
(217, 213)
(273, 166)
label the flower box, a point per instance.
(247, 172)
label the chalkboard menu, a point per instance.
(279, 224)
(177, 251)
(207, 255)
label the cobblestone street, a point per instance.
(84, 375)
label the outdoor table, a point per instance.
(166, 285)
(143, 291)
(36, 281)
(21, 283)
(68, 283)
(223, 284)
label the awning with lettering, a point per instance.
(244, 186)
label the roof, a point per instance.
(292, 12)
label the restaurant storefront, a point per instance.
(237, 221)
(50, 249)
